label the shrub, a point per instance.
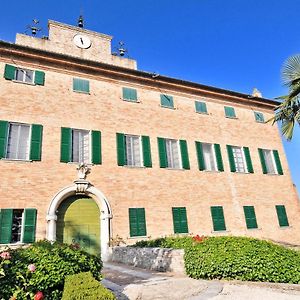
(43, 267)
(84, 286)
(239, 258)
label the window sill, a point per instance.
(134, 167)
(182, 233)
(258, 228)
(23, 82)
(169, 107)
(261, 122)
(219, 231)
(175, 169)
(211, 171)
(138, 237)
(272, 174)
(131, 101)
(202, 113)
(234, 118)
(82, 92)
(16, 160)
(285, 227)
(77, 163)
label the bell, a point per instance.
(80, 22)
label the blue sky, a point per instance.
(233, 44)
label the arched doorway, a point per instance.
(78, 222)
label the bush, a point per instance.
(239, 258)
(83, 286)
(43, 267)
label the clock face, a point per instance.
(82, 41)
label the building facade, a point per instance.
(93, 149)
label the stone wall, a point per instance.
(158, 259)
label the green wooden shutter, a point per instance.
(133, 223)
(6, 218)
(146, 151)
(184, 155)
(183, 220)
(36, 142)
(231, 158)
(81, 85)
(217, 215)
(162, 152)
(121, 151)
(9, 72)
(229, 112)
(141, 222)
(282, 217)
(250, 217)
(248, 160)
(199, 149)
(96, 147)
(3, 138)
(65, 146)
(137, 222)
(129, 94)
(219, 157)
(29, 225)
(278, 163)
(263, 161)
(180, 220)
(166, 100)
(259, 117)
(200, 107)
(39, 78)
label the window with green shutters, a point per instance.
(218, 219)
(180, 220)
(20, 141)
(80, 146)
(129, 94)
(81, 85)
(17, 225)
(282, 216)
(239, 159)
(259, 117)
(137, 222)
(250, 217)
(229, 112)
(166, 101)
(24, 75)
(133, 150)
(200, 107)
(270, 161)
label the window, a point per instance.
(209, 157)
(173, 153)
(137, 222)
(166, 101)
(270, 161)
(24, 75)
(217, 215)
(250, 217)
(239, 159)
(17, 225)
(180, 220)
(133, 150)
(81, 85)
(229, 112)
(20, 141)
(201, 107)
(259, 117)
(81, 146)
(282, 217)
(129, 94)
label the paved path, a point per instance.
(138, 284)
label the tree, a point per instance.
(288, 112)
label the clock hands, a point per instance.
(81, 40)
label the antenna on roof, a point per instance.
(33, 28)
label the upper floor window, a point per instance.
(270, 161)
(81, 85)
(229, 112)
(24, 75)
(173, 154)
(133, 150)
(129, 94)
(259, 117)
(166, 101)
(239, 159)
(80, 146)
(200, 107)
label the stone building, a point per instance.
(92, 148)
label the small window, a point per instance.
(239, 159)
(80, 146)
(250, 217)
(201, 107)
(269, 161)
(129, 94)
(137, 222)
(173, 154)
(81, 85)
(180, 220)
(18, 143)
(166, 101)
(282, 216)
(229, 112)
(259, 117)
(209, 157)
(133, 150)
(24, 75)
(217, 215)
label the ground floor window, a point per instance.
(250, 217)
(282, 216)
(218, 219)
(180, 220)
(137, 222)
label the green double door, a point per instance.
(78, 221)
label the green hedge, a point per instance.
(83, 286)
(239, 258)
(53, 262)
